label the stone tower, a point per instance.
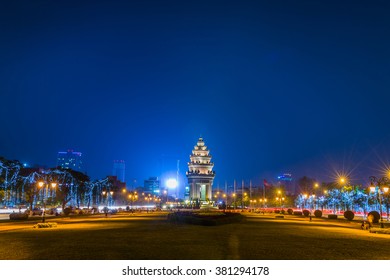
(200, 173)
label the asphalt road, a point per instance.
(150, 236)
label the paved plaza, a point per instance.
(150, 236)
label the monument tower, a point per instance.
(200, 173)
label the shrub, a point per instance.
(67, 211)
(277, 211)
(282, 211)
(290, 211)
(18, 216)
(297, 213)
(349, 215)
(45, 225)
(318, 213)
(306, 213)
(332, 216)
(375, 217)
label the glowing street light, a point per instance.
(171, 183)
(107, 195)
(45, 196)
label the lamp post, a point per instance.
(107, 195)
(304, 200)
(314, 201)
(234, 200)
(124, 193)
(280, 200)
(133, 197)
(45, 195)
(171, 184)
(375, 187)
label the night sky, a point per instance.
(271, 86)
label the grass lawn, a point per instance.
(150, 236)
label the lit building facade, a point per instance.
(70, 160)
(119, 170)
(200, 173)
(152, 186)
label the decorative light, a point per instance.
(171, 183)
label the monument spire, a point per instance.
(200, 173)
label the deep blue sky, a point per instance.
(272, 86)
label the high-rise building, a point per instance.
(70, 160)
(200, 173)
(152, 186)
(119, 170)
(287, 181)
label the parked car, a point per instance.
(37, 211)
(52, 211)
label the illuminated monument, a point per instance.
(200, 173)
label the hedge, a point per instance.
(349, 215)
(332, 216)
(375, 216)
(318, 213)
(306, 213)
(18, 216)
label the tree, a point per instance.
(333, 199)
(306, 185)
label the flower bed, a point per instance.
(45, 225)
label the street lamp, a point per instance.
(304, 200)
(171, 184)
(45, 195)
(375, 187)
(314, 201)
(280, 199)
(133, 197)
(225, 198)
(108, 194)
